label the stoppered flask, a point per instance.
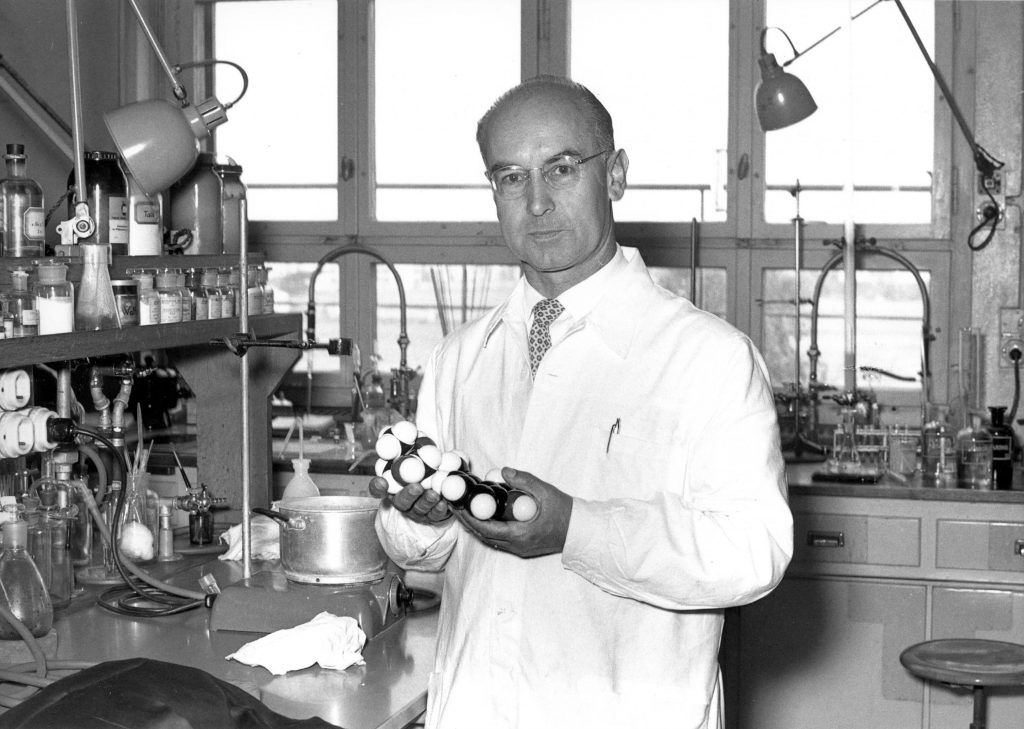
(22, 212)
(974, 457)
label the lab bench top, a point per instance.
(802, 481)
(388, 692)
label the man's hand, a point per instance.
(544, 534)
(419, 504)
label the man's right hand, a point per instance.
(419, 504)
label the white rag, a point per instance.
(265, 539)
(332, 641)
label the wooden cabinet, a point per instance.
(212, 372)
(870, 577)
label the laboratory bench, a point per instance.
(388, 692)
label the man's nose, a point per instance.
(538, 194)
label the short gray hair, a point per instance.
(593, 110)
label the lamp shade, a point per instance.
(781, 98)
(156, 141)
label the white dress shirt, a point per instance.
(678, 512)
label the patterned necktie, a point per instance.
(545, 311)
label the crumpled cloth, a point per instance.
(329, 640)
(265, 539)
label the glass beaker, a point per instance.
(974, 458)
(903, 449)
(938, 451)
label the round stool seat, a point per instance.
(967, 662)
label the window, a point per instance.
(856, 134)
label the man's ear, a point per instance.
(617, 175)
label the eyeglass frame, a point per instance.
(578, 161)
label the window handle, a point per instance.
(348, 168)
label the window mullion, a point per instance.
(545, 37)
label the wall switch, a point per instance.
(1011, 335)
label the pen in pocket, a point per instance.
(612, 431)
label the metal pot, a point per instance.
(329, 540)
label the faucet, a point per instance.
(869, 246)
(400, 398)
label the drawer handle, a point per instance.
(1018, 547)
(831, 540)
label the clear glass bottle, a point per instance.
(62, 522)
(1002, 449)
(255, 293)
(187, 305)
(974, 457)
(40, 542)
(938, 451)
(55, 298)
(170, 296)
(149, 299)
(22, 210)
(200, 299)
(268, 290)
(227, 291)
(214, 295)
(96, 308)
(22, 306)
(21, 585)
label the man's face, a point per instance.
(561, 236)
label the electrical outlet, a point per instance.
(991, 184)
(1011, 334)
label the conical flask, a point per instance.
(96, 308)
(22, 590)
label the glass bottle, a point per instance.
(170, 296)
(22, 306)
(268, 290)
(149, 299)
(106, 191)
(1002, 450)
(40, 543)
(145, 219)
(214, 295)
(200, 300)
(232, 192)
(938, 451)
(255, 293)
(974, 457)
(227, 291)
(22, 211)
(96, 308)
(62, 522)
(187, 305)
(55, 298)
(21, 585)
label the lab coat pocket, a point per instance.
(639, 451)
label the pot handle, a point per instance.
(275, 515)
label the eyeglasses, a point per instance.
(560, 173)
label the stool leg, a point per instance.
(979, 708)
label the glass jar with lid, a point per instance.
(200, 301)
(149, 300)
(185, 293)
(21, 305)
(214, 295)
(55, 298)
(267, 289)
(228, 291)
(170, 296)
(255, 293)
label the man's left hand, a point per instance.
(543, 534)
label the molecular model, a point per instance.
(407, 456)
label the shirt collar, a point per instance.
(597, 299)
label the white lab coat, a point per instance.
(679, 514)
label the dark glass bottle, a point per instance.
(106, 191)
(1002, 450)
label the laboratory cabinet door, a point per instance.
(824, 654)
(972, 612)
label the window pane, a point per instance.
(438, 66)
(289, 49)
(438, 299)
(711, 286)
(889, 318)
(673, 123)
(290, 282)
(889, 91)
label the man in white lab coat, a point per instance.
(647, 435)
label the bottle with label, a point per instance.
(974, 457)
(232, 193)
(227, 291)
(1002, 450)
(106, 191)
(170, 296)
(22, 306)
(22, 211)
(145, 219)
(55, 298)
(149, 300)
(268, 290)
(22, 590)
(200, 300)
(187, 305)
(96, 308)
(214, 296)
(255, 293)
(938, 451)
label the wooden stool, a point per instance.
(968, 662)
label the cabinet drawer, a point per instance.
(980, 545)
(857, 539)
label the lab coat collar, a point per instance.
(609, 300)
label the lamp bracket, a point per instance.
(80, 226)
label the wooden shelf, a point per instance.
(79, 345)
